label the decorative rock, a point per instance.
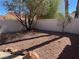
(25, 52)
(11, 50)
(31, 55)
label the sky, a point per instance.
(72, 7)
(3, 10)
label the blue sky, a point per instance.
(72, 7)
(3, 10)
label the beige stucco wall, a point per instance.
(48, 24)
(43, 24)
(73, 27)
(55, 25)
(10, 26)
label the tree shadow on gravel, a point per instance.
(72, 51)
(13, 38)
(42, 44)
(33, 47)
(5, 41)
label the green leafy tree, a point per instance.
(59, 16)
(52, 8)
(26, 10)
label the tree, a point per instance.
(52, 8)
(66, 20)
(26, 10)
(66, 8)
(77, 10)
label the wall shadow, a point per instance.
(72, 51)
(42, 44)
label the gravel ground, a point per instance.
(47, 45)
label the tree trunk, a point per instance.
(66, 9)
(77, 10)
(66, 15)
